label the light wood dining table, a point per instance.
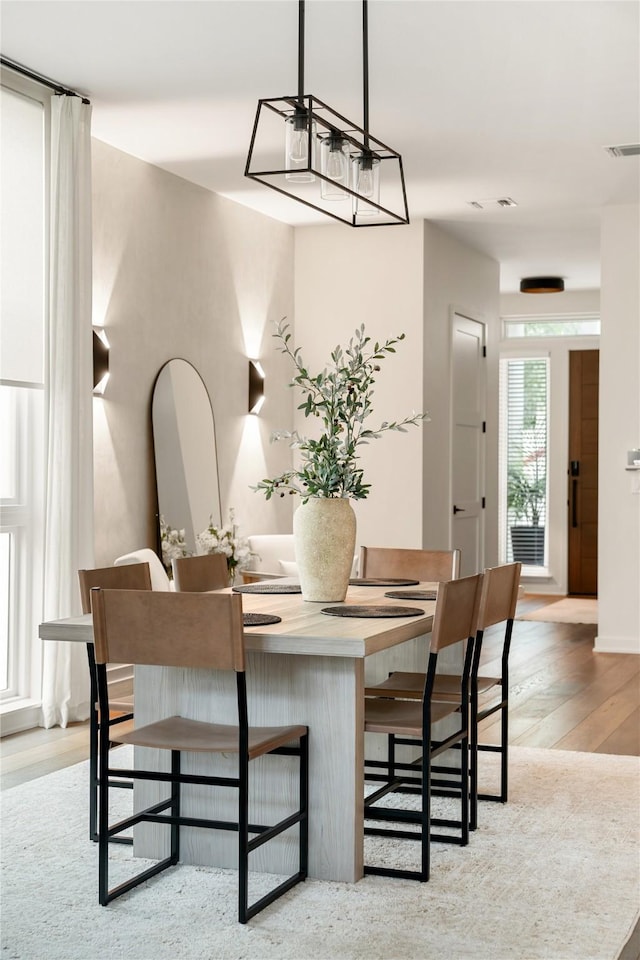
(309, 668)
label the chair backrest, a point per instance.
(199, 574)
(499, 594)
(430, 565)
(159, 577)
(133, 576)
(456, 615)
(168, 628)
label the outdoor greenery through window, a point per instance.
(524, 394)
(551, 325)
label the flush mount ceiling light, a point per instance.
(542, 285)
(330, 163)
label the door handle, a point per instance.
(458, 509)
(574, 503)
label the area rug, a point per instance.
(569, 610)
(553, 874)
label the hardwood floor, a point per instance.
(562, 697)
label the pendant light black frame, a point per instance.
(267, 139)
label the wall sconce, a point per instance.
(100, 360)
(256, 386)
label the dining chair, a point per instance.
(429, 565)
(132, 576)
(497, 605)
(198, 574)
(411, 723)
(195, 631)
(159, 577)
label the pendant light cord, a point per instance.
(365, 71)
(301, 52)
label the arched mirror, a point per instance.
(184, 440)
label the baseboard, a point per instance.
(616, 645)
(17, 719)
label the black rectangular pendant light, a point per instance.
(305, 149)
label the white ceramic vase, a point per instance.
(325, 537)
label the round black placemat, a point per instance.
(259, 619)
(411, 594)
(372, 611)
(268, 586)
(382, 582)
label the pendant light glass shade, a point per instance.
(268, 163)
(300, 146)
(335, 167)
(366, 183)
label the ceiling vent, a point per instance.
(624, 150)
(492, 202)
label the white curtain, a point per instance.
(69, 470)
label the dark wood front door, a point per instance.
(583, 472)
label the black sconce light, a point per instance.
(256, 387)
(542, 285)
(100, 360)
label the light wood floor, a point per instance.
(562, 696)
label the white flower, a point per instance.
(173, 545)
(227, 541)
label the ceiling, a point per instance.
(484, 99)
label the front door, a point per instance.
(583, 472)
(467, 447)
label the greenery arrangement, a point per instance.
(526, 495)
(340, 396)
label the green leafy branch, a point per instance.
(341, 398)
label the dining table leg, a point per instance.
(326, 694)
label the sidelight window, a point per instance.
(524, 417)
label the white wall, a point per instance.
(345, 277)
(404, 279)
(181, 272)
(619, 490)
(570, 301)
(457, 278)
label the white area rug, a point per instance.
(553, 874)
(569, 610)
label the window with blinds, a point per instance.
(524, 414)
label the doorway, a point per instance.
(467, 444)
(582, 572)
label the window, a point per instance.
(550, 325)
(524, 405)
(23, 308)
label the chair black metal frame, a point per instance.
(208, 616)
(498, 605)
(458, 601)
(133, 576)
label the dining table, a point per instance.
(308, 667)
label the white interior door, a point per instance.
(467, 442)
